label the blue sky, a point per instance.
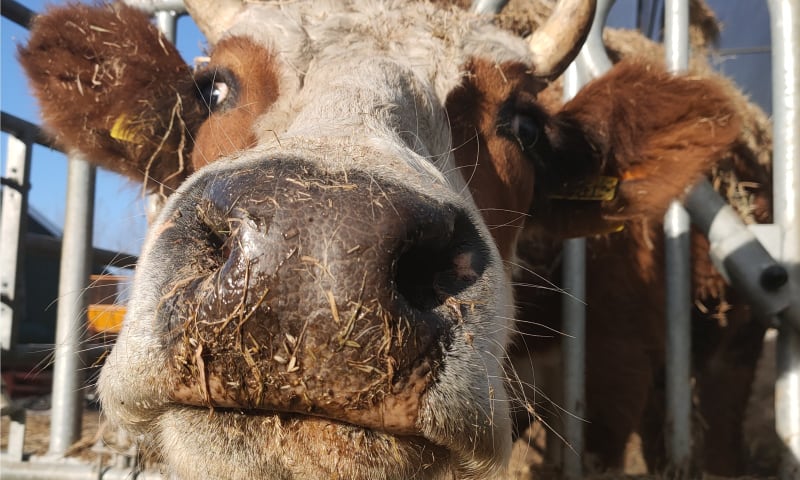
(119, 211)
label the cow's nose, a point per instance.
(324, 293)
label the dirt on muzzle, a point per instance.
(297, 290)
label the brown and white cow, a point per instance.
(327, 291)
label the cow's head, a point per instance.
(324, 294)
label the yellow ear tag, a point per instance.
(121, 131)
(593, 189)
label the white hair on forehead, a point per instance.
(433, 41)
(341, 59)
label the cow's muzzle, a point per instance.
(322, 293)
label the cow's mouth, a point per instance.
(379, 405)
(336, 425)
(307, 446)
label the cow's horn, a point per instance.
(556, 43)
(213, 17)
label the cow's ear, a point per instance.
(112, 87)
(650, 135)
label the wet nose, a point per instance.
(324, 293)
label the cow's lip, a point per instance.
(395, 412)
(340, 427)
(253, 412)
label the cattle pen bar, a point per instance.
(785, 28)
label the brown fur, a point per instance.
(600, 132)
(658, 154)
(500, 179)
(93, 67)
(232, 130)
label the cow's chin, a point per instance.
(231, 444)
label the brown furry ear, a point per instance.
(652, 132)
(112, 87)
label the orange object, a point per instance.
(106, 318)
(105, 314)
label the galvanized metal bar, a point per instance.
(13, 226)
(678, 348)
(154, 6)
(16, 429)
(574, 352)
(17, 13)
(785, 31)
(488, 6)
(167, 22)
(677, 270)
(67, 407)
(676, 34)
(36, 470)
(591, 62)
(24, 129)
(573, 344)
(593, 58)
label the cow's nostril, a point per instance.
(435, 268)
(216, 228)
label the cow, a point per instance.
(625, 303)
(327, 290)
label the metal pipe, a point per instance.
(167, 21)
(737, 253)
(17, 13)
(16, 431)
(488, 6)
(676, 34)
(13, 225)
(678, 274)
(574, 341)
(24, 129)
(591, 62)
(593, 58)
(785, 31)
(154, 6)
(34, 470)
(75, 264)
(678, 348)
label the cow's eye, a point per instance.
(525, 130)
(215, 89)
(214, 94)
(523, 121)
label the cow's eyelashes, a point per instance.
(523, 127)
(214, 94)
(216, 89)
(526, 131)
